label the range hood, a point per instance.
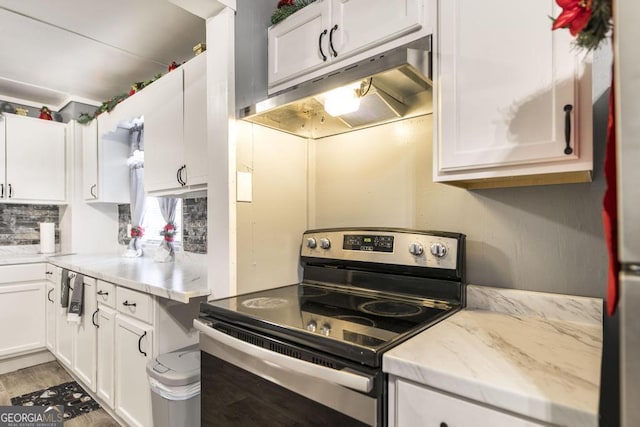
(392, 86)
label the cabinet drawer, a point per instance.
(106, 293)
(22, 273)
(135, 304)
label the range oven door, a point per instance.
(244, 385)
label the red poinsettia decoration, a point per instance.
(575, 15)
(45, 113)
(286, 3)
(137, 231)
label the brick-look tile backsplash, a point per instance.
(194, 225)
(20, 224)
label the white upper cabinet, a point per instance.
(510, 92)
(329, 31)
(35, 161)
(360, 24)
(176, 130)
(105, 173)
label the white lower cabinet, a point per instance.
(22, 309)
(50, 316)
(105, 375)
(84, 348)
(412, 405)
(134, 349)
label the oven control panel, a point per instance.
(434, 250)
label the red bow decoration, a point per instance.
(137, 231)
(168, 232)
(172, 66)
(575, 15)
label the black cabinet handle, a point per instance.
(2, 190)
(48, 273)
(140, 342)
(567, 129)
(335, 54)
(93, 318)
(101, 292)
(178, 176)
(184, 169)
(322, 34)
(10, 191)
(93, 194)
(49, 295)
(443, 425)
(129, 304)
(181, 181)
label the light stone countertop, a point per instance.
(179, 281)
(22, 254)
(529, 353)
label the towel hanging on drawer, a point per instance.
(64, 288)
(77, 297)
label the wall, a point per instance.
(19, 224)
(545, 238)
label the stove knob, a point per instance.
(325, 329)
(416, 249)
(312, 325)
(438, 250)
(311, 243)
(325, 243)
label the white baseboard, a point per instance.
(24, 361)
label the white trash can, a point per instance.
(175, 384)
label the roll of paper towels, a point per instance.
(47, 237)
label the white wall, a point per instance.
(546, 238)
(270, 227)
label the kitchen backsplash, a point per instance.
(194, 225)
(20, 224)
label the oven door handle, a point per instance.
(344, 377)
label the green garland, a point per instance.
(598, 26)
(286, 10)
(110, 104)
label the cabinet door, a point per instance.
(195, 120)
(134, 344)
(35, 159)
(105, 381)
(415, 405)
(300, 43)
(22, 318)
(90, 161)
(51, 300)
(84, 357)
(504, 84)
(362, 24)
(3, 184)
(163, 132)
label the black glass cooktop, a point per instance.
(331, 317)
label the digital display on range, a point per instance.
(368, 243)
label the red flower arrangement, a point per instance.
(137, 232)
(587, 20)
(168, 232)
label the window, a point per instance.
(154, 223)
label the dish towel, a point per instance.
(75, 305)
(64, 288)
(610, 209)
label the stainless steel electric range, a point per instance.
(311, 353)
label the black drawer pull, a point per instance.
(333, 49)
(101, 292)
(93, 318)
(567, 129)
(140, 342)
(129, 304)
(322, 34)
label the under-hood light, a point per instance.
(342, 100)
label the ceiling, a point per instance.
(88, 51)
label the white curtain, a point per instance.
(166, 252)
(138, 198)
